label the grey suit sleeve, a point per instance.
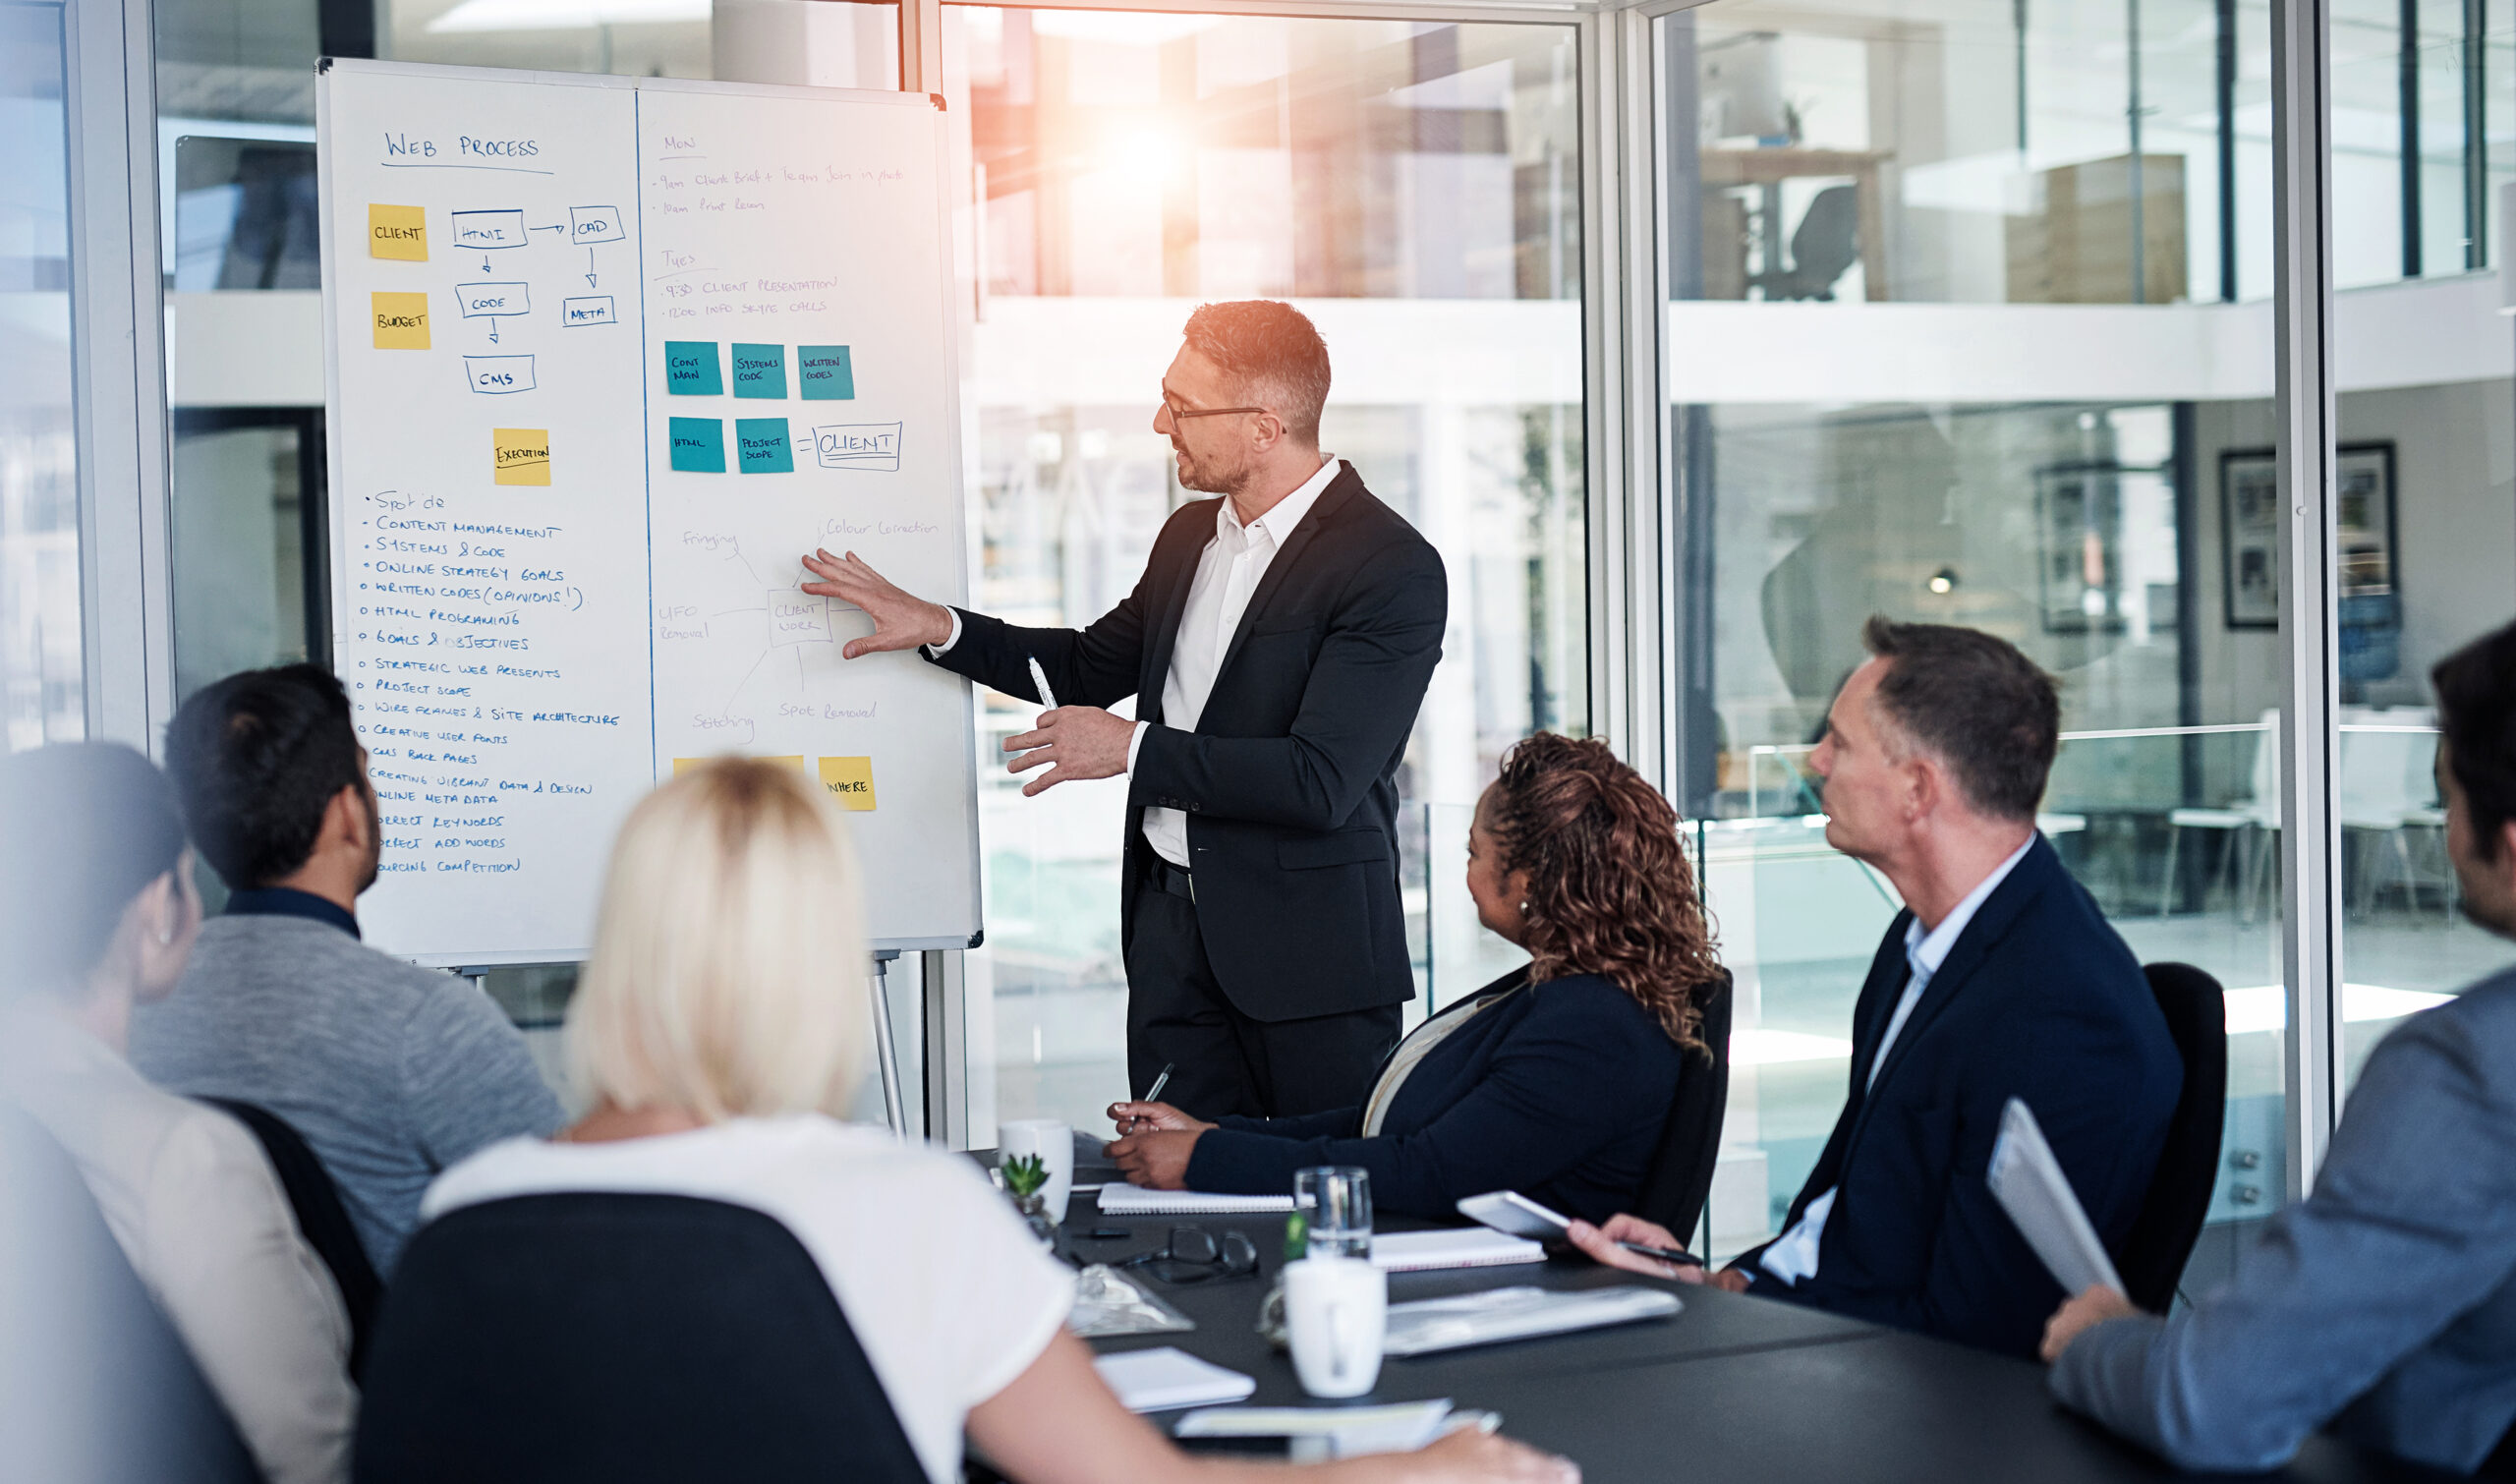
(468, 1080)
(2412, 1222)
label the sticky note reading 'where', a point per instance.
(397, 232)
(824, 372)
(522, 455)
(698, 445)
(401, 321)
(760, 370)
(761, 444)
(690, 369)
(850, 780)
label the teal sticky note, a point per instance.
(761, 442)
(825, 373)
(698, 445)
(690, 369)
(760, 370)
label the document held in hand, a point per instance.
(2029, 1184)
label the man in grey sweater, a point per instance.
(390, 1071)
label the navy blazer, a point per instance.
(2038, 999)
(1290, 781)
(1559, 1092)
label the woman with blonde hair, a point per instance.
(718, 1034)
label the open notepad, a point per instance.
(1136, 1200)
(1167, 1377)
(2029, 1184)
(1451, 1247)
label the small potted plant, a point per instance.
(1024, 1174)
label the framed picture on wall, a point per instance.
(2250, 529)
(2080, 526)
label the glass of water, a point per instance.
(1336, 1206)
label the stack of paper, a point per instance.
(1136, 1200)
(1519, 1313)
(2029, 1184)
(1321, 1433)
(1158, 1379)
(1451, 1247)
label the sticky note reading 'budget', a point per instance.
(850, 780)
(401, 321)
(762, 445)
(698, 445)
(826, 374)
(760, 370)
(522, 455)
(690, 369)
(397, 232)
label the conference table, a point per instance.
(1732, 1387)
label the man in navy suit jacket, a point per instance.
(2000, 979)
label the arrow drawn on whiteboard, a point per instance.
(493, 332)
(546, 229)
(588, 268)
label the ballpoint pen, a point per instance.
(1152, 1093)
(1678, 1256)
(1040, 679)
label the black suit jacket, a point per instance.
(1290, 779)
(2038, 999)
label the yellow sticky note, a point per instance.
(401, 321)
(850, 780)
(522, 455)
(397, 232)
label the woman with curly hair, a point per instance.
(1555, 1080)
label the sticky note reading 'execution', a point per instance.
(760, 370)
(522, 455)
(397, 232)
(698, 445)
(401, 321)
(690, 369)
(761, 444)
(850, 780)
(824, 372)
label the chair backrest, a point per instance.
(321, 1218)
(620, 1337)
(95, 1383)
(2153, 1255)
(1681, 1174)
(2266, 777)
(2378, 769)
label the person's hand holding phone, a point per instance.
(1601, 1242)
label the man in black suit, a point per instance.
(1277, 646)
(1999, 979)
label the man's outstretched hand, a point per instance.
(900, 620)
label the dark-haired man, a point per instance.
(389, 1072)
(1999, 979)
(2385, 1303)
(1277, 646)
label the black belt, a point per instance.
(1167, 876)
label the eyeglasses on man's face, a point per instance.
(1179, 414)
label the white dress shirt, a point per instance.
(1228, 572)
(1792, 1256)
(193, 1203)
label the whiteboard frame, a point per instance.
(947, 318)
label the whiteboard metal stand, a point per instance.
(882, 1050)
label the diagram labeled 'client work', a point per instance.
(749, 370)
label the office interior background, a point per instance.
(1689, 336)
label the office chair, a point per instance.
(95, 1383)
(1680, 1179)
(2161, 1238)
(320, 1217)
(620, 1337)
(1825, 243)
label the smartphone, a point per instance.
(1511, 1211)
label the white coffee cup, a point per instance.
(1336, 1312)
(1054, 1143)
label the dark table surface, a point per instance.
(1730, 1388)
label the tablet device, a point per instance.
(1511, 1211)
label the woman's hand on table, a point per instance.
(1487, 1459)
(1601, 1243)
(1139, 1117)
(1156, 1158)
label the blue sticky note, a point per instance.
(760, 370)
(763, 445)
(825, 373)
(690, 369)
(698, 445)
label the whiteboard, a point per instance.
(604, 357)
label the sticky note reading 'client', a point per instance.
(698, 445)
(522, 455)
(760, 370)
(690, 369)
(825, 372)
(850, 780)
(397, 232)
(761, 444)
(401, 321)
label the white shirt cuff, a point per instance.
(934, 649)
(1135, 739)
